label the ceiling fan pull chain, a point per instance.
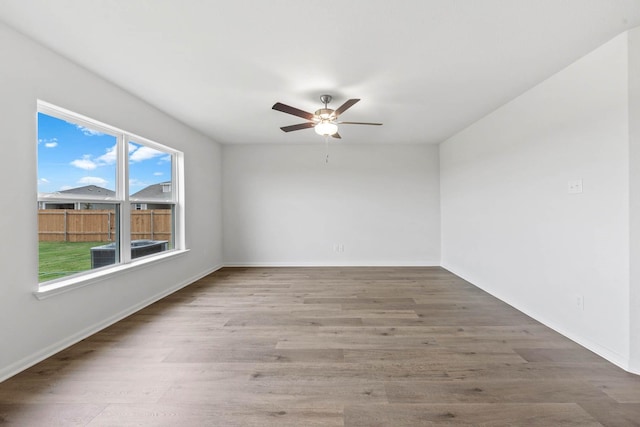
(326, 145)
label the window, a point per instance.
(105, 196)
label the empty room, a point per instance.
(288, 213)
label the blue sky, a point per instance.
(71, 156)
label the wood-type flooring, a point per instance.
(324, 347)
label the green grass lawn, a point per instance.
(59, 259)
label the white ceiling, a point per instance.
(425, 68)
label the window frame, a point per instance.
(121, 200)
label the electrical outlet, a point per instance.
(580, 302)
(574, 186)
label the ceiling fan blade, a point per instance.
(344, 107)
(336, 135)
(360, 123)
(292, 110)
(298, 126)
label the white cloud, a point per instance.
(88, 131)
(43, 181)
(66, 187)
(158, 174)
(166, 158)
(93, 180)
(49, 143)
(136, 183)
(85, 163)
(144, 153)
(109, 157)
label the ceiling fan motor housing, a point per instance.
(325, 114)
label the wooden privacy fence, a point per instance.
(68, 225)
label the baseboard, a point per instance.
(49, 351)
(633, 369)
(332, 264)
(604, 352)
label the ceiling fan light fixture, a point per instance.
(326, 128)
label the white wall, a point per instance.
(31, 329)
(634, 169)
(283, 205)
(509, 225)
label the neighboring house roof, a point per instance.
(160, 191)
(90, 190)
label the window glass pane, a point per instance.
(76, 240)
(150, 173)
(74, 161)
(152, 228)
(81, 177)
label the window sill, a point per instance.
(66, 285)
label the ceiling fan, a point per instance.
(324, 121)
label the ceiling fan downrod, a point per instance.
(325, 99)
